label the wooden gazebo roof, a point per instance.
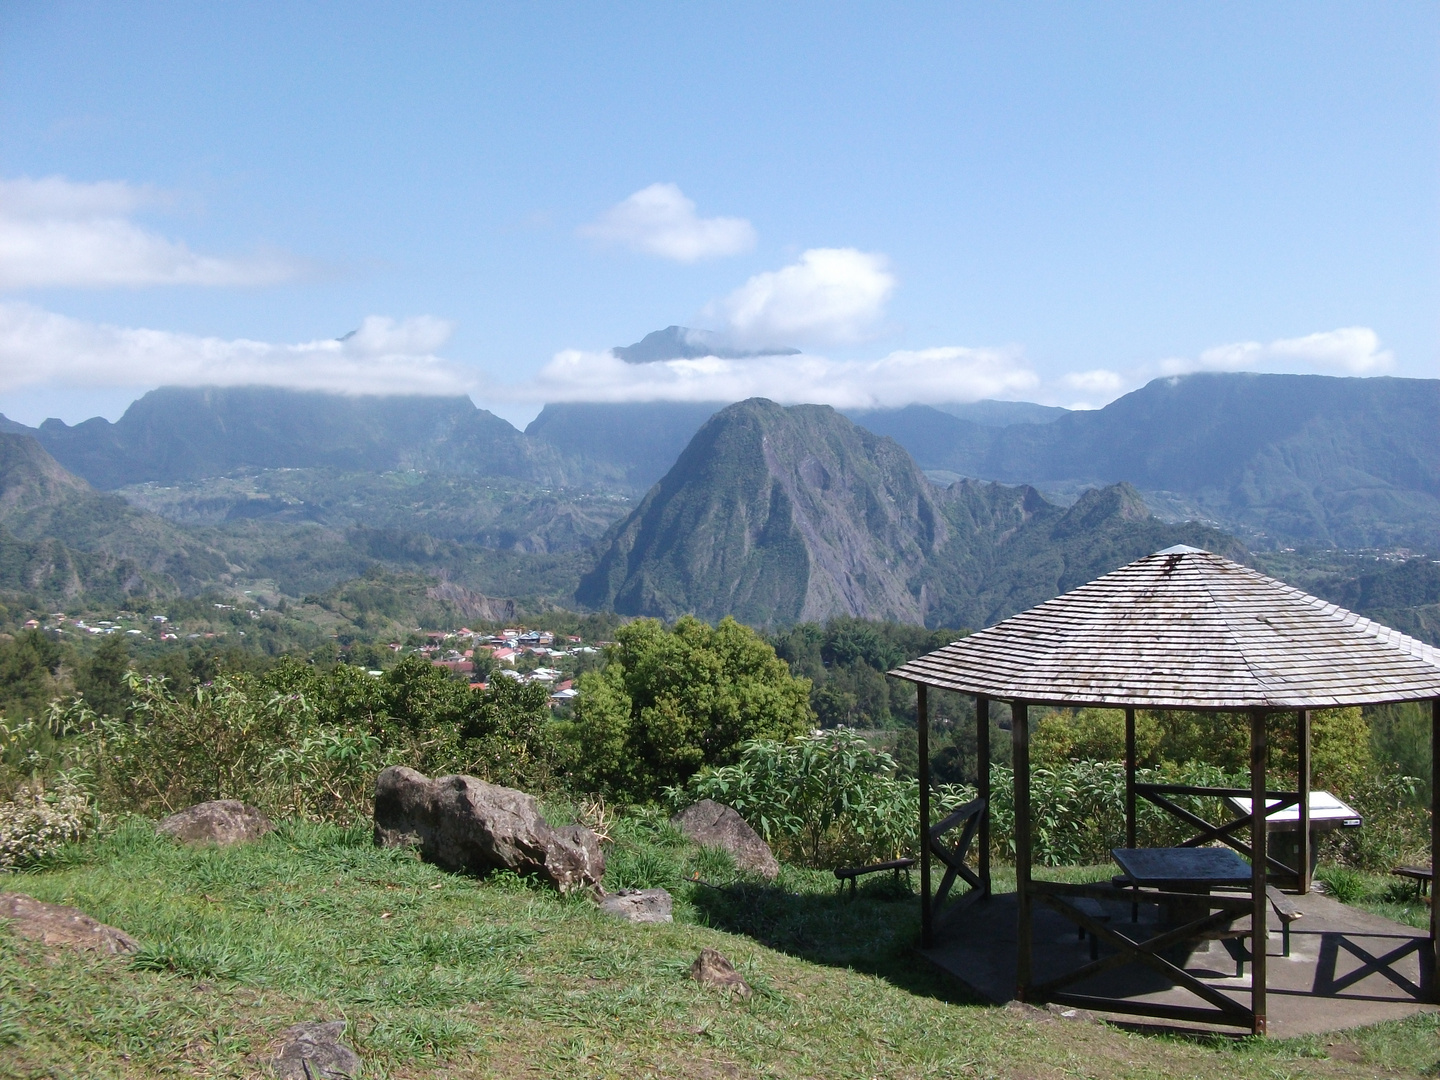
(1185, 628)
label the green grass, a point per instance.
(1384, 894)
(444, 975)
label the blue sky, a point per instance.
(932, 201)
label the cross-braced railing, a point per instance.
(967, 819)
(1159, 795)
(1223, 917)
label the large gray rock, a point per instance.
(713, 824)
(54, 924)
(461, 823)
(314, 1051)
(640, 905)
(222, 822)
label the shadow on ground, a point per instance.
(874, 932)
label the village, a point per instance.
(510, 654)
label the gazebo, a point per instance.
(1180, 629)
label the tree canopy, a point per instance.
(671, 701)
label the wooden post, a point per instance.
(982, 783)
(1434, 847)
(1260, 905)
(1302, 785)
(922, 738)
(1129, 778)
(1020, 743)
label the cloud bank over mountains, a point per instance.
(383, 356)
(898, 378)
(58, 233)
(389, 356)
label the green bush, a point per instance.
(670, 702)
(830, 798)
(297, 741)
(1396, 829)
(824, 799)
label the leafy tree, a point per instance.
(1400, 742)
(101, 679)
(846, 660)
(1093, 735)
(672, 701)
(30, 673)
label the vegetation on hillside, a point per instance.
(671, 701)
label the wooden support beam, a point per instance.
(922, 735)
(1302, 785)
(1435, 847)
(1130, 778)
(1259, 902)
(982, 784)
(1020, 757)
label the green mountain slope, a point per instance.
(779, 515)
(41, 503)
(1286, 458)
(630, 445)
(772, 515)
(184, 434)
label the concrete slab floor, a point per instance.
(1347, 968)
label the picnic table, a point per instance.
(1183, 870)
(1198, 870)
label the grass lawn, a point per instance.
(443, 975)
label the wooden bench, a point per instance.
(1283, 906)
(850, 873)
(1096, 910)
(1421, 875)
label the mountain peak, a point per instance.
(776, 514)
(683, 343)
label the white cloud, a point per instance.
(660, 220)
(900, 378)
(831, 296)
(1100, 382)
(1351, 350)
(40, 348)
(55, 232)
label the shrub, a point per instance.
(671, 702)
(830, 798)
(1077, 809)
(309, 743)
(826, 798)
(1396, 829)
(36, 823)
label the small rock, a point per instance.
(713, 824)
(314, 1051)
(222, 822)
(53, 924)
(639, 905)
(711, 968)
(461, 823)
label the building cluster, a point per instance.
(458, 650)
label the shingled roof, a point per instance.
(1185, 628)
